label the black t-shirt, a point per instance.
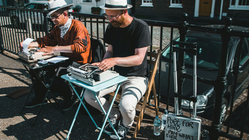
(124, 42)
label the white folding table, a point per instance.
(115, 81)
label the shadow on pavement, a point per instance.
(51, 124)
(237, 115)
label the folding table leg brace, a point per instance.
(81, 97)
(48, 92)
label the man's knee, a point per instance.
(88, 96)
(127, 106)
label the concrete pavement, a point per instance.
(51, 124)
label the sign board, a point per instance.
(182, 128)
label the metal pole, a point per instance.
(181, 63)
(221, 81)
(194, 79)
(1, 41)
(175, 83)
(46, 22)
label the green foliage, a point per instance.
(77, 8)
(96, 10)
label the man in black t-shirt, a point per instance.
(128, 39)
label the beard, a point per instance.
(118, 23)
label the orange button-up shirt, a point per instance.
(77, 36)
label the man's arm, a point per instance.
(129, 61)
(49, 49)
(52, 49)
(78, 34)
(80, 43)
(31, 45)
(109, 52)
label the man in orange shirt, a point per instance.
(69, 37)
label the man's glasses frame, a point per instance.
(54, 17)
(112, 17)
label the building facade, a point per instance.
(171, 9)
(168, 9)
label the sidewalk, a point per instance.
(51, 124)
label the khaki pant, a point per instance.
(132, 91)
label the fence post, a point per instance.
(221, 81)
(45, 22)
(1, 41)
(29, 27)
(181, 65)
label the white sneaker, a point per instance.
(108, 127)
(122, 132)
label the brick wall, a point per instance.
(161, 10)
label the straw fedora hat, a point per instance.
(116, 5)
(55, 5)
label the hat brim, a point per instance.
(54, 10)
(108, 8)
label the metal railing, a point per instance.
(220, 84)
(34, 24)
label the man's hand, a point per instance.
(107, 64)
(95, 64)
(48, 50)
(31, 45)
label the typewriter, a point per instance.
(33, 55)
(91, 74)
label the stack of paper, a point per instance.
(25, 45)
(57, 59)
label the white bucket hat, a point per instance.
(55, 5)
(116, 5)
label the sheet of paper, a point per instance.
(25, 45)
(57, 59)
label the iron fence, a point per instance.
(16, 24)
(221, 82)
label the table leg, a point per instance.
(108, 112)
(48, 86)
(32, 87)
(74, 119)
(81, 97)
(24, 117)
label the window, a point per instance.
(244, 53)
(176, 3)
(147, 3)
(239, 5)
(39, 6)
(29, 6)
(205, 48)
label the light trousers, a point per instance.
(132, 90)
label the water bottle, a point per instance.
(157, 124)
(164, 119)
